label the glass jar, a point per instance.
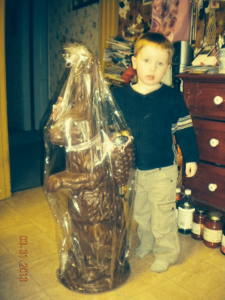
(178, 191)
(212, 233)
(222, 247)
(199, 218)
(178, 197)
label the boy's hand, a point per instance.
(191, 169)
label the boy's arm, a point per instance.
(186, 140)
(185, 136)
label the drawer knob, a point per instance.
(214, 142)
(212, 187)
(218, 100)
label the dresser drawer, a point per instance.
(211, 140)
(205, 100)
(208, 186)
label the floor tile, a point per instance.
(12, 289)
(12, 233)
(185, 261)
(28, 203)
(9, 216)
(7, 260)
(44, 221)
(141, 279)
(38, 246)
(52, 234)
(201, 279)
(216, 294)
(60, 292)
(5, 256)
(203, 252)
(198, 274)
(195, 247)
(217, 260)
(39, 191)
(167, 290)
(43, 271)
(39, 296)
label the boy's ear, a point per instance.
(133, 59)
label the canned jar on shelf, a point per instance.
(212, 233)
(199, 218)
(178, 197)
(222, 247)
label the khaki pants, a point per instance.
(154, 211)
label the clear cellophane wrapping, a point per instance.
(89, 178)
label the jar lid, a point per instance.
(187, 192)
(201, 210)
(215, 216)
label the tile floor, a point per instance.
(199, 274)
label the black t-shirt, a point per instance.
(153, 119)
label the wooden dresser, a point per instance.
(205, 97)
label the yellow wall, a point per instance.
(5, 186)
(109, 21)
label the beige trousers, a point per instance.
(154, 211)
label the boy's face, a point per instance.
(151, 64)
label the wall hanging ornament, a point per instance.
(89, 178)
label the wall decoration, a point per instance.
(67, 25)
(172, 18)
(135, 17)
(124, 8)
(82, 3)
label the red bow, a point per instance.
(128, 75)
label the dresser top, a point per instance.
(213, 78)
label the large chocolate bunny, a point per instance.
(94, 219)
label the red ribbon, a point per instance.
(128, 75)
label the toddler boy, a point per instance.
(155, 112)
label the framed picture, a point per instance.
(145, 2)
(82, 3)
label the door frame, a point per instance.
(5, 184)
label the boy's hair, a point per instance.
(155, 39)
